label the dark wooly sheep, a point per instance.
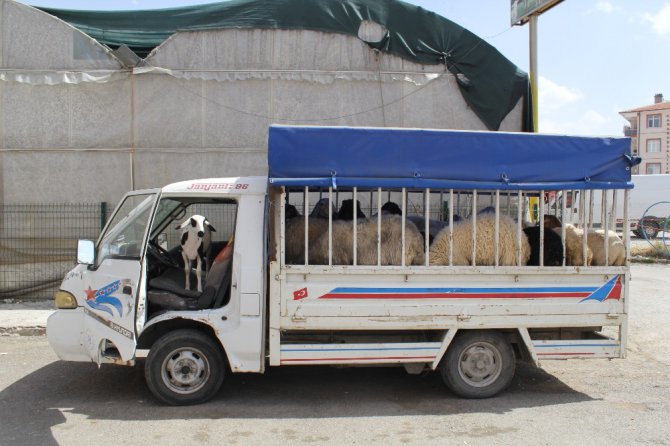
(553, 247)
(487, 210)
(434, 226)
(347, 210)
(391, 208)
(551, 222)
(290, 212)
(321, 209)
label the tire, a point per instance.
(478, 364)
(184, 367)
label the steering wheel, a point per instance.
(159, 254)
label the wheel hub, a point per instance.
(185, 370)
(480, 364)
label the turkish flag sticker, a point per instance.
(300, 294)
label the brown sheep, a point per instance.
(616, 254)
(574, 249)
(295, 238)
(391, 243)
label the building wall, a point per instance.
(641, 134)
(661, 134)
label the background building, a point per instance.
(650, 132)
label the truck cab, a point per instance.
(128, 290)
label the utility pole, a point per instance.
(522, 12)
(533, 72)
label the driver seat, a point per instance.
(167, 290)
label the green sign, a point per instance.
(521, 10)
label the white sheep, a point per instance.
(616, 252)
(595, 240)
(574, 249)
(391, 243)
(196, 241)
(485, 245)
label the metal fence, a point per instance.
(38, 244)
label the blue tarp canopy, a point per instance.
(419, 158)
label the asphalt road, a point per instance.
(588, 402)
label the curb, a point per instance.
(649, 260)
(23, 320)
(23, 331)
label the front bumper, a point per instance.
(65, 331)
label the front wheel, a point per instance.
(478, 364)
(184, 367)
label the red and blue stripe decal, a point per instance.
(611, 290)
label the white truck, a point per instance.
(650, 205)
(259, 308)
(648, 213)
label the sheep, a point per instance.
(485, 249)
(551, 222)
(574, 249)
(391, 243)
(595, 253)
(616, 249)
(434, 226)
(347, 210)
(391, 208)
(595, 239)
(553, 247)
(321, 209)
(196, 242)
(295, 237)
(290, 212)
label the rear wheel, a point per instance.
(478, 364)
(184, 367)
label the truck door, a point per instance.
(111, 285)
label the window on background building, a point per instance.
(653, 168)
(653, 145)
(654, 120)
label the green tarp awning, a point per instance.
(490, 84)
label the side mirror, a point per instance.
(86, 252)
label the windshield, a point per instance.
(168, 210)
(125, 232)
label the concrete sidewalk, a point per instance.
(25, 318)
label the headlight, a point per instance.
(65, 300)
